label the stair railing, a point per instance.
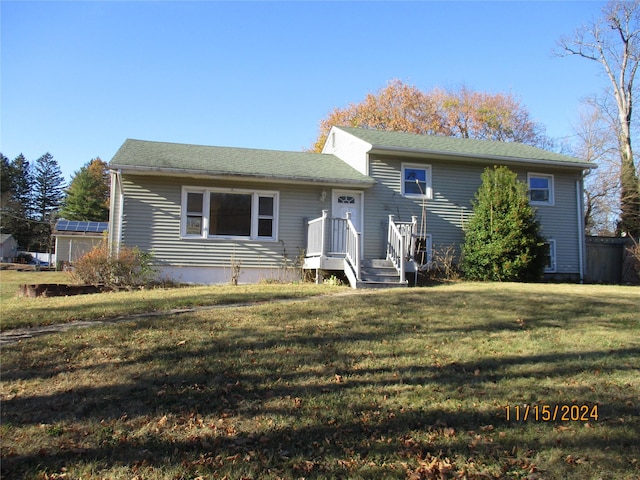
(352, 244)
(396, 248)
(316, 236)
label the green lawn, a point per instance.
(10, 280)
(403, 383)
(17, 312)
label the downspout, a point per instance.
(581, 233)
(121, 213)
(115, 233)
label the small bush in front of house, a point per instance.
(131, 267)
(443, 265)
(502, 239)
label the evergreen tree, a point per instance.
(5, 175)
(48, 193)
(49, 184)
(17, 200)
(22, 185)
(87, 197)
(6, 190)
(502, 239)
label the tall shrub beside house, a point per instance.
(131, 267)
(502, 239)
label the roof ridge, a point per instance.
(199, 145)
(262, 164)
(443, 144)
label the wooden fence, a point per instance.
(609, 260)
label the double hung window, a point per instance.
(416, 180)
(540, 189)
(550, 256)
(223, 213)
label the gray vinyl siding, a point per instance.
(454, 186)
(445, 212)
(152, 223)
(560, 221)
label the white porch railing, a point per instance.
(316, 236)
(328, 236)
(334, 237)
(409, 231)
(401, 244)
(352, 244)
(339, 235)
(339, 238)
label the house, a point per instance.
(75, 238)
(8, 248)
(374, 205)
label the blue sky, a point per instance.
(79, 77)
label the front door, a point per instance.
(343, 202)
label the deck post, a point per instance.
(391, 217)
(323, 250)
(414, 235)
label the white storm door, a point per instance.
(343, 202)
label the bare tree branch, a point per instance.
(613, 41)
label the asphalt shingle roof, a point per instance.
(388, 140)
(230, 161)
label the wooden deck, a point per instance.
(334, 244)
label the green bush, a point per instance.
(131, 267)
(502, 239)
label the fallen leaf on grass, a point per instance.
(162, 422)
(431, 468)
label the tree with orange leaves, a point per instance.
(460, 113)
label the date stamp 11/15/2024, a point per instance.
(551, 413)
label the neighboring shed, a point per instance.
(75, 238)
(8, 248)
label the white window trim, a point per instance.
(552, 253)
(548, 176)
(255, 215)
(428, 194)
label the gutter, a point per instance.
(468, 156)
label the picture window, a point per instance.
(220, 213)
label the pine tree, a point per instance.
(17, 200)
(5, 175)
(48, 193)
(502, 239)
(6, 190)
(22, 185)
(49, 184)
(87, 197)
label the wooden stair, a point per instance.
(379, 273)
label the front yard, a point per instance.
(406, 383)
